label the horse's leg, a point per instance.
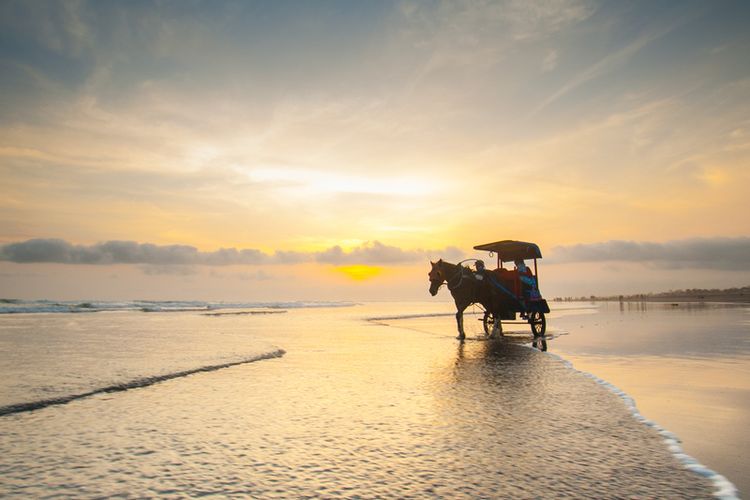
(497, 327)
(460, 322)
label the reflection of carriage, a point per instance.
(503, 293)
(520, 287)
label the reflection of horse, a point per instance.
(466, 289)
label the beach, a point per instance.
(687, 366)
(369, 400)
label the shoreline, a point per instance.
(666, 299)
(686, 367)
(724, 488)
(654, 319)
(401, 393)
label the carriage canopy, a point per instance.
(510, 250)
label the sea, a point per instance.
(140, 399)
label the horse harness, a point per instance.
(460, 273)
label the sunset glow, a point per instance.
(296, 129)
(359, 272)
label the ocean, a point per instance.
(187, 399)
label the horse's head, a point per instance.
(437, 276)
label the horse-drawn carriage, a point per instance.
(503, 293)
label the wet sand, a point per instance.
(353, 409)
(686, 366)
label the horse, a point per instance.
(466, 289)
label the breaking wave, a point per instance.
(723, 488)
(18, 306)
(410, 316)
(131, 384)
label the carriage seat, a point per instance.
(509, 279)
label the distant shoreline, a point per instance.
(675, 299)
(735, 295)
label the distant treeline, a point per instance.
(689, 295)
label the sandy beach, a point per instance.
(355, 408)
(234, 235)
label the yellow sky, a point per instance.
(303, 127)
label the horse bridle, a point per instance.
(460, 273)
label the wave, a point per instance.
(132, 384)
(242, 313)
(411, 316)
(723, 488)
(19, 306)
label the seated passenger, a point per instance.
(528, 283)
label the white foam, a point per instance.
(136, 383)
(724, 489)
(17, 306)
(410, 316)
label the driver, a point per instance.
(479, 274)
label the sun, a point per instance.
(360, 272)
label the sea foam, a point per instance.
(19, 306)
(131, 384)
(724, 489)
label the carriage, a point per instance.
(518, 287)
(503, 293)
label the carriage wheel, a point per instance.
(488, 322)
(538, 323)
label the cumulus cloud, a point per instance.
(696, 253)
(156, 257)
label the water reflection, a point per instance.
(495, 363)
(508, 412)
(540, 343)
(353, 410)
(658, 329)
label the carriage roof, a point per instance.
(509, 250)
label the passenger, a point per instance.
(528, 282)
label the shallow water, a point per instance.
(354, 408)
(686, 365)
(50, 356)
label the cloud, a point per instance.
(378, 253)
(550, 61)
(110, 252)
(612, 61)
(696, 253)
(159, 259)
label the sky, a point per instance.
(330, 149)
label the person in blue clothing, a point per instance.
(528, 282)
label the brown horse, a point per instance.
(466, 289)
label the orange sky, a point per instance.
(303, 127)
